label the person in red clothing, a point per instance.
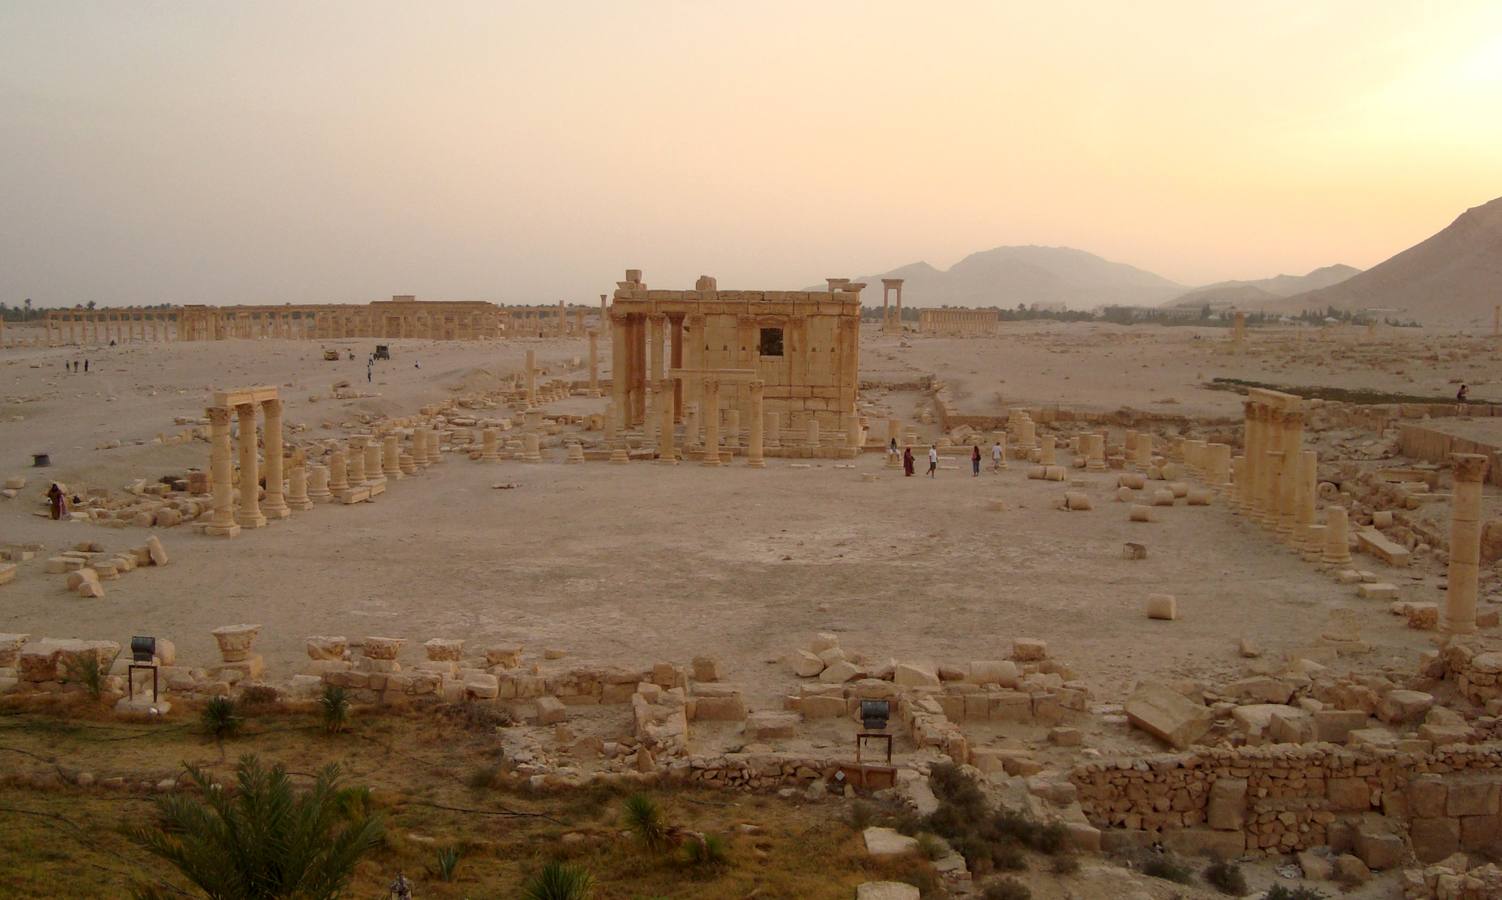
(907, 461)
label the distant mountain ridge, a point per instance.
(1007, 276)
(1453, 277)
(1262, 291)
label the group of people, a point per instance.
(73, 366)
(933, 458)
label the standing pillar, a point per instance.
(250, 515)
(1144, 451)
(531, 378)
(1337, 546)
(1267, 476)
(338, 474)
(710, 411)
(1274, 460)
(1246, 476)
(666, 453)
(490, 445)
(594, 363)
(619, 368)
(1459, 615)
(755, 458)
(1307, 489)
(531, 447)
(1219, 461)
(356, 463)
(1288, 494)
(391, 457)
(276, 504)
(435, 446)
(373, 474)
(318, 484)
(297, 491)
(419, 447)
(221, 469)
(1238, 331)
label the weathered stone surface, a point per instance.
(915, 675)
(550, 710)
(886, 890)
(1404, 706)
(1162, 606)
(1226, 809)
(887, 842)
(1434, 839)
(1167, 715)
(768, 725)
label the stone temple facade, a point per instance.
(802, 347)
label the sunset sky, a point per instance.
(271, 152)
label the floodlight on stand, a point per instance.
(874, 714)
(143, 649)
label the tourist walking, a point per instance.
(892, 449)
(907, 461)
(1460, 395)
(86, 366)
(57, 500)
(933, 459)
(975, 460)
(996, 456)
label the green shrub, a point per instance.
(1226, 877)
(334, 705)
(220, 719)
(709, 853)
(645, 820)
(90, 671)
(448, 861)
(861, 816)
(930, 846)
(559, 881)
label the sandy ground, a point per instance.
(640, 563)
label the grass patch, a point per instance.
(1226, 877)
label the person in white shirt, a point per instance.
(996, 455)
(933, 460)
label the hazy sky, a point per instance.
(319, 152)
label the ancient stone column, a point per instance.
(594, 363)
(667, 454)
(531, 447)
(338, 474)
(1095, 456)
(297, 490)
(758, 425)
(1459, 614)
(1275, 483)
(1308, 484)
(221, 466)
(1238, 475)
(275, 506)
(490, 445)
(373, 474)
(710, 413)
(318, 484)
(1046, 450)
(1246, 477)
(435, 446)
(419, 452)
(391, 452)
(356, 462)
(250, 515)
(531, 378)
(1288, 494)
(612, 422)
(1144, 451)
(1337, 549)
(620, 374)
(732, 430)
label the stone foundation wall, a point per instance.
(1289, 797)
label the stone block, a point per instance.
(1205, 842)
(550, 711)
(1427, 796)
(840, 672)
(1481, 833)
(1348, 794)
(1377, 845)
(1002, 672)
(1168, 715)
(887, 842)
(327, 647)
(1378, 590)
(706, 669)
(444, 650)
(1335, 725)
(1162, 606)
(1226, 807)
(886, 890)
(1403, 706)
(482, 686)
(822, 707)
(720, 709)
(1433, 839)
(915, 675)
(1029, 649)
(1469, 797)
(761, 726)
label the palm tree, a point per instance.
(263, 840)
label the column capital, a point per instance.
(245, 409)
(273, 406)
(218, 415)
(1469, 467)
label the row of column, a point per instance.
(368, 464)
(103, 326)
(957, 321)
(1276, 485)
